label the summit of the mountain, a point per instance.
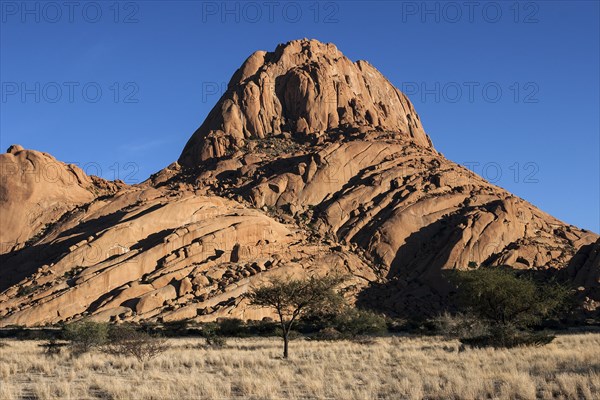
(306, 87)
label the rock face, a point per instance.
(584, 272)
(303, 86)
(36, 190)
(413, 212)
(308, 164)
(147, 253)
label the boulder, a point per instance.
(155, 299)
(185, 287)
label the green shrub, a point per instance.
(152, 328)
(175, 328)
(398, 325)
(356, 322)
(210, 333)
(510, 304)
(121, 332)
(346, 320)
(24, 291)
(500, 296)
(328, 333)
(86, 335)
(209, 329)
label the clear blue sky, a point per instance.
(512, 86)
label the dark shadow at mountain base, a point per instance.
(415, 285)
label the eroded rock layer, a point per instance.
(170, 253)
(410, 211)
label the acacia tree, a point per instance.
(292, 298)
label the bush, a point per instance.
(24, 291)
(210, 334)
(231, 327)
(509, 304)
(347, 321)
(117, 333)
(85, 335)
(292, 335)
(314, 322)
(328, 334)
(355, 322)
(152, 328)
(216, 341)
(399, 325)
(500, 296)
(265, 327)
(460, 326)
(173, 328)
(126, 341)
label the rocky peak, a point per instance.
(14, 149)
(304, 86)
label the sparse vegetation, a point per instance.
(460, 326)
(250, 368)
(73, 272)
(26, 290)
(124, 340)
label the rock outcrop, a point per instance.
(304, 86)
(36, 190)
(411, 211)
(308, 164)
(146, 253)
(584, 271)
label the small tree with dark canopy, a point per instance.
(292, 298)
(507, 301)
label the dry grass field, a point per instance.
(390, 368)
